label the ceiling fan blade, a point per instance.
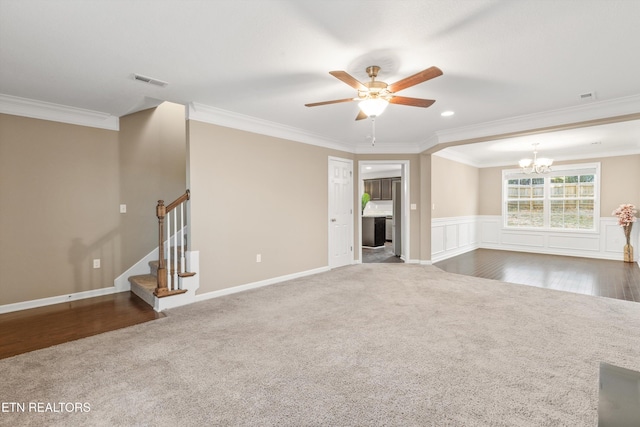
(335, 101)
(417, 78)
(361, 115)
(348, 79)
(412, 102)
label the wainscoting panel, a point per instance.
(575, 243)
(605, 244)
(522, 239)
(437, 240)
(453, 236)
(490, 232)
(616, 241)
(457, 235)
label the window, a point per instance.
(565, 199)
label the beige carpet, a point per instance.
(366, 345)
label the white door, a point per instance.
(340, 212)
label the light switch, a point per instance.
(123, 208)
(414, 206)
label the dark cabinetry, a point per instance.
(379, 188)
(373, 231)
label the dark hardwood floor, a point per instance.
(36, 328)
(606, 278)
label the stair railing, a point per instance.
(171, 270)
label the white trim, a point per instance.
(387, 148)
(591, 111)
(259, 284)
(607, 244)
(25, 305)
(57, 113)
(489, 234)
(453, 236)
(216, 116)
(354, 208)
(573, 168)
(405, 173)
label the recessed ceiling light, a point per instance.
(447, 113)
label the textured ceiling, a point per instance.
(266, 59)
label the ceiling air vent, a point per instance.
(149, 80)
(588, 96)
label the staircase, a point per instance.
(145, 285)
(168, 284)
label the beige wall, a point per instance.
(454, 188)
(60, 190)
(58, 208)
(254, 194)
(152, 161)
(620, 178)
(620, 182)
(490, 202)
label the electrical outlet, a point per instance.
(96, 263)
(259, 258)
(123, 208)
(414, 206)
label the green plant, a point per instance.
(365, 199)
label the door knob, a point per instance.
(333, 220)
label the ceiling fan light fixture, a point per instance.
(373, 107)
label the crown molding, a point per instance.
(458, 158)
(217, 116)
(387, 148)
(16, 106)
(582, 113)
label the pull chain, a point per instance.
(373, 131)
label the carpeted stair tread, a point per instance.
(147, 282)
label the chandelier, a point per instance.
(537, 165)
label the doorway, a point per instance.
(384, 217)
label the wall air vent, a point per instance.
(149, 80)
(588, 96)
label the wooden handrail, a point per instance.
(171, 206)
(162, 289)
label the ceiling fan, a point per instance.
(377, 94)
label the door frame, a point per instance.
(351, 203)
(405, 205)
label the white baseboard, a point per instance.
(25, 305)
(259, 284)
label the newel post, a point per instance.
(162, 289)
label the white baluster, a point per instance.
(183, 267)
(169, 251)
(175, 249)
